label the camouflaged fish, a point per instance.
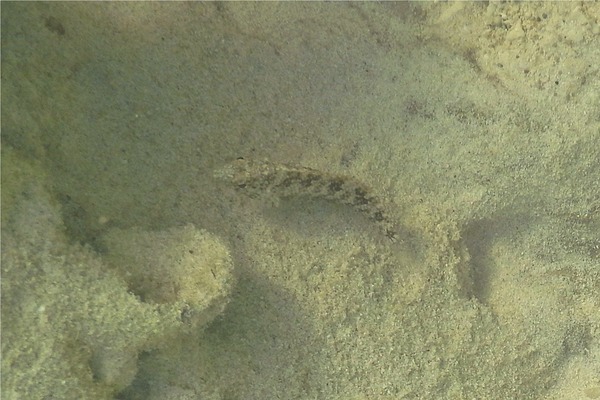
(258, 178)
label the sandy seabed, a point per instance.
(130, 272)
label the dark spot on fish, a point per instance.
(54, 25)
(390, 234)
(291, 179)
(362, 198)
(309, 180)
(336, 185)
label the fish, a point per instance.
(262, 177)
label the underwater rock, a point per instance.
(183, 266)
(72, 328)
